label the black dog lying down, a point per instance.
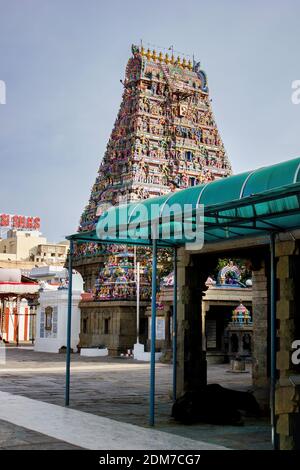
(215, 405)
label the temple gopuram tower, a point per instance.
(165, 138)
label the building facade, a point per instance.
(30, 248)
(51, 324)
(18, 299)
(18, 244)
(49, 253)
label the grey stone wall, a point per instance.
(121, 316)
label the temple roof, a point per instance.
(256, 202)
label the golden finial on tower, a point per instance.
(143, 53)
(190, 65)
(154, 56)
(148, 55)
(167, 60)
(178, 62)
(160, 57)
(184, 64)
(172, 59)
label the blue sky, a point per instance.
(62, 61)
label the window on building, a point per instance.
(48, 318)
(192, 181)
(106, 326)
(188, 156)
(84, 325)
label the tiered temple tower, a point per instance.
(165, 138)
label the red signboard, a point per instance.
(20, 222)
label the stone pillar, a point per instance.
(193, 271)
(183, 259)
(260, 373)
(287, 395)
(168, 334)
(204, 309)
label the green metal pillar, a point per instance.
(174, 324)
(69, 325)
(153, 332)
(273, 339)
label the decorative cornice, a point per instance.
(162, 58)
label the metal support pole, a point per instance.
(273, 339)
(153, 332)
(137, 302)
(2, 318)
(18, 319)
(69, 325)
(174, 324)
(134, 262)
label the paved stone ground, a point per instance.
(90, 431)
(118, 389)
(14, 437)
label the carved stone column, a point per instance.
(183, 259)
(193, 271)
(260, 307)
(287, 396)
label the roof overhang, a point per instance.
(18, 289)
(246, 206)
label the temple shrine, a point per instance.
(226, 330)
(240, 331)
(165, 138)
(18, 302)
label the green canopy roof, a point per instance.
(248, 204)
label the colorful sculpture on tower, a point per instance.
(165, 137)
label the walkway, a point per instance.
(118, 389)
(89, 431)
